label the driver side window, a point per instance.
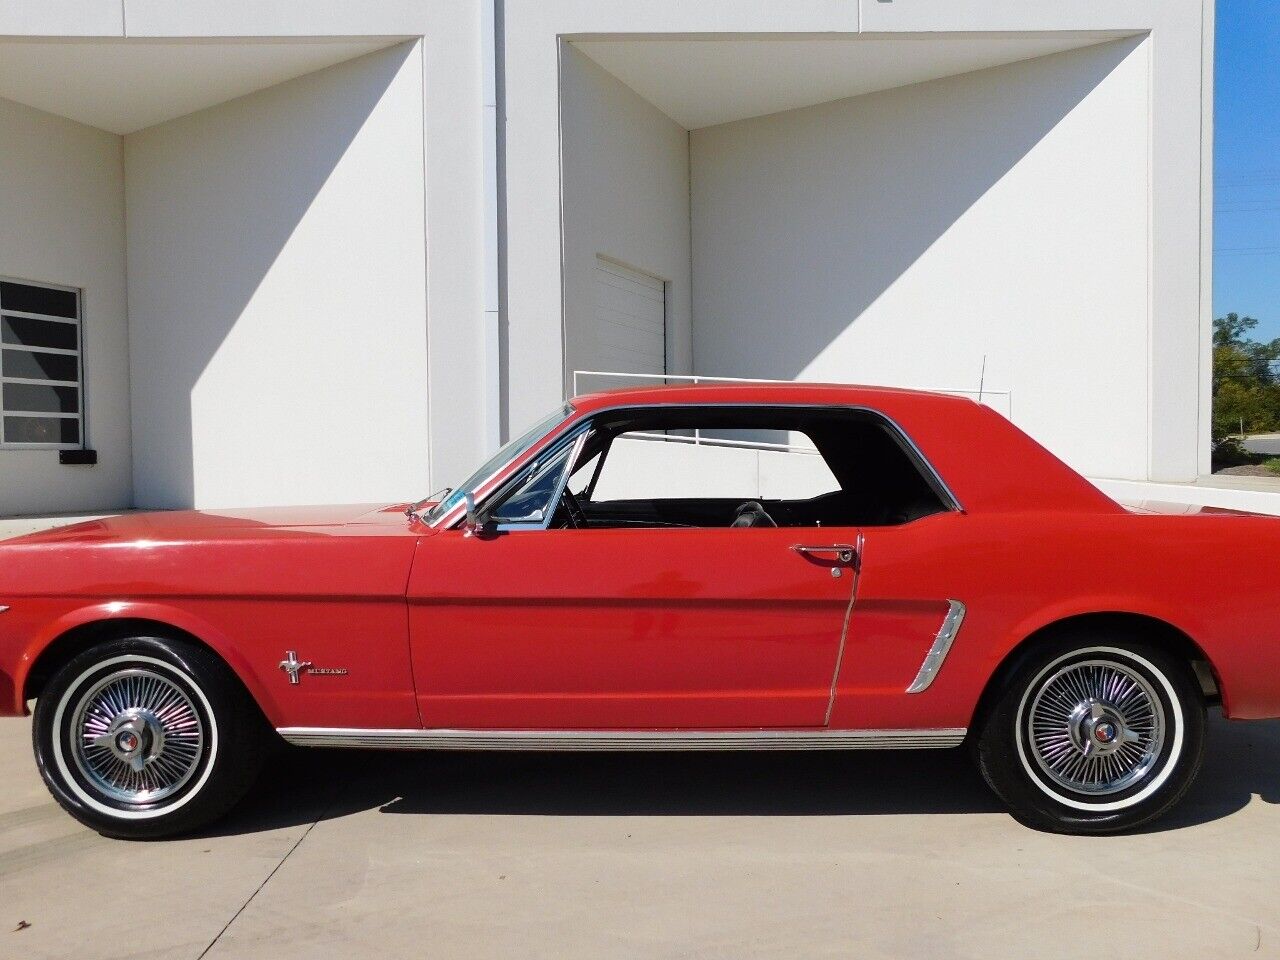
(722, 466)
(727, 464)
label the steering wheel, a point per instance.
(573, 510)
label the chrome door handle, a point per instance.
(832, 552)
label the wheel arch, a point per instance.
(70, 640)
(1145, 626)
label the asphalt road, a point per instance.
(357, 855)
(1268, 443)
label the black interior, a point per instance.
(882, 480)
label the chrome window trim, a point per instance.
(941, 646)
(527, 454)
(629, 740)
(491, 486)
(565, 471)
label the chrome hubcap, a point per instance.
(1096, 727)
(136, 736)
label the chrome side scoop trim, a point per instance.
(937, 654)
(604, 740)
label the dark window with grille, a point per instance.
(41, 395)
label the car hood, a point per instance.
(180, 525)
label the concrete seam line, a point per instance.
(267, 879)
(324, 815)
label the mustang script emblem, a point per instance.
(295, 668)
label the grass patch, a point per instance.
(1272, 464)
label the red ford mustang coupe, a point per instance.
(748, 567)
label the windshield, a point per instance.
(500, 459)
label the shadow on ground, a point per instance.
(305, 785)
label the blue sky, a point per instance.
(1246, 215)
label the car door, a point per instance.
(627, 628)
(532, 627)
(919, 593)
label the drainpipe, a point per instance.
(494, 219)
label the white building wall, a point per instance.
(459, 373)
(645, 468)
(901, 237)
(277, 293)
(462, 370)
(1181, 189)
(625, 196)
(1179, 103)
(62, 222)
(533, 30)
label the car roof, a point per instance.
(986, 461)
(838, 394)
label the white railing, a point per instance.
(698, 440)
(690, 378)
(999, 400)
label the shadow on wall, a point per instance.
(214, 199)
(802, 220)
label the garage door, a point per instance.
(631, 320)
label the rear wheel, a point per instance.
(146, 737)
(1094, 734)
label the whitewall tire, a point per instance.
(1093, 734)
(147, 736)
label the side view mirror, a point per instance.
(475, 524)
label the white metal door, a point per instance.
(631, 320)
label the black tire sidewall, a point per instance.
(233, 735)
(1014, 776)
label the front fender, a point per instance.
(62, 621)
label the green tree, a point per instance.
(1246, 389)
(1231, 329)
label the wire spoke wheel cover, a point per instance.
(135, 736)
(1095, 727)
(1094, 730)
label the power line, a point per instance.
(1245, 251)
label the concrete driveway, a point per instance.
(385, 856)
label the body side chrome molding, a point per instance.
(933, 660)
(605, 740)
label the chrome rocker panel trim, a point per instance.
(937, 654)
(605, 740)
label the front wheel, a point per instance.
(1094, 735)
(146, 737)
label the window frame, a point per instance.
(574, 445)
(78, 384)
(575, 431)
